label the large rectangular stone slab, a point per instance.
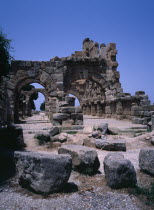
(111, 145)
(43, 173)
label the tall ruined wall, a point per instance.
(5, 110)
(91, 75)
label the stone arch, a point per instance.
(28, 95)
(15, 92)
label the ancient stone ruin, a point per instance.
(91, 75)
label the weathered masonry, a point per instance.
(91, 75)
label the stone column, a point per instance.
(84, 109)
(99, 110)
(88, 110)
(93, 110)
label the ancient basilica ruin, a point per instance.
(91, 75)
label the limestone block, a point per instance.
(68, 123)
(60, 86)
(78, 109)
(61, 116)
(44, 77)
(62, 137)
(77, 116)
(119, 172)
(137, 108)
(145, 102)
(58, 77)
(43, 173)
(137, 113)
(137, 121)
(67, 109)
(89, 142)
(111, 145)
(54, 131)
(102, 127)
(84, 159)
(60, 93)
(50, 70)
(147, 114)
(146, 160)
(53, 93)
(62, 104)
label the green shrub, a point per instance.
(71, 132)
(42, 138)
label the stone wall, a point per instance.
(5, 111)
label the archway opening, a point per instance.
(77, 103)
(32, 100)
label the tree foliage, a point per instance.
(42, 107)
(5, 57)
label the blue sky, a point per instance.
(42, 29)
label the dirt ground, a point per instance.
(90, 192)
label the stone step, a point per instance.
(130, 132)
(71, 128)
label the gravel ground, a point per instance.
(92, 192)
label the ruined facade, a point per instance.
(91, 75)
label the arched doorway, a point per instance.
(27, 100)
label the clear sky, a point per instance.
(42, 29)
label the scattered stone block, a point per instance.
(146, 160)
(96, 134)
(152, 141)
(89, 142)
(103, 127)
(84, 159)
(43, 173)
(62, 137)
(54, 131)
(54, 144)
(119, 172)
(111, 145)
